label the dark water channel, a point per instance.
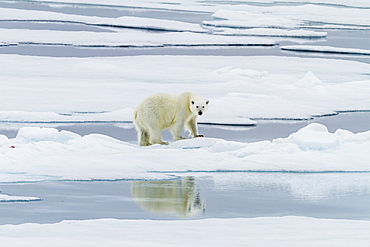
(264, 129)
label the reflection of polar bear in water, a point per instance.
(174, 197)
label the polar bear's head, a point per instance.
(198, 107)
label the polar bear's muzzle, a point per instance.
(200, 113)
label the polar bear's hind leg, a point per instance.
(143, 137)
(156, 136)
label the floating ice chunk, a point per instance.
(7, 198)
(325, 49)
(314, 137)
(37, 134)
(270, 32)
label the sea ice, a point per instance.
(126, 38)
(196, 6)
(7, 14)
(239, 88)
(45, 153)
(267, 231)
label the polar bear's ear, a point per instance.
(207, 102)
(192, 102)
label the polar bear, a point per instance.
(168, 111)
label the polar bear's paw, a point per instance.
(161, 143)
(179, 138)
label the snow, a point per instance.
(314, 137)
(283, 231)
(30, 134)
(47, 154)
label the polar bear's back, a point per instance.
(159, 109)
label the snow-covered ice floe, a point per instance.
(127, 38)
(268, 231)
(47, 154)
(239, 88)
(248, 16)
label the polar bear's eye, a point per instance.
(197, 106)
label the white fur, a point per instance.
(168, 111)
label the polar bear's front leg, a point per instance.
(176, 131)
(192, 127)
